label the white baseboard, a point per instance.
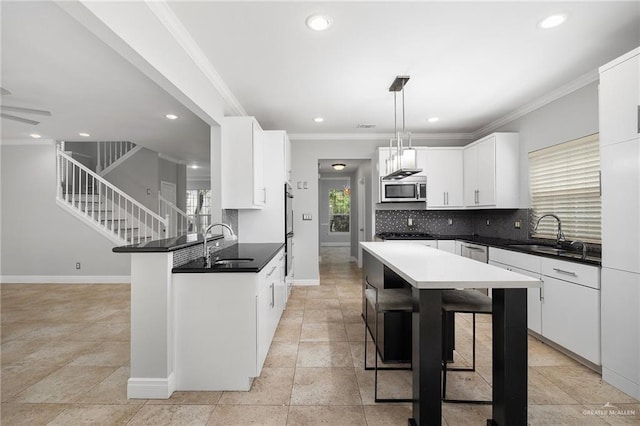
(622, 383)
(65, 279)
(335, 244)
(354, 259)
(150, 388)
(306, 282)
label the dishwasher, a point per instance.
(474, 251)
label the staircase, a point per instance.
(94, 200)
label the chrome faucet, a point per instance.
(232, 237)
(560, 235)
(584, 248)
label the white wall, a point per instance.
(139, 177)
(39, 239)
(570, 117)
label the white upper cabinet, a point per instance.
(444, 178)
(287, 158)
(242, 164)
(491, 172)
(620, 99)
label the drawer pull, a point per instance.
(271, 271)
(562, 271)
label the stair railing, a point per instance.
(108, 152)
(98, 202)
(179, 223)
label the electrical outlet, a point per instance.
(77, 265)
(306, 216)
(410, 222)
(517, 224)
(488, 222)
(449, 221)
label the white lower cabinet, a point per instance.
(566, 309)
(224, 325)
(571, 317)
(524, 264)
(447, 245)
(428, 243)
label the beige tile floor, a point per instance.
(65, 358)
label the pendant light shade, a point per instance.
(402, 160)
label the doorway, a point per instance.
(343, 208)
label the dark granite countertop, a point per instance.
(166, 245)
(255, 257)
(570, 254)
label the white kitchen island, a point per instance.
(428, 271)
(198, 326)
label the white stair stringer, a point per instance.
(104, 207)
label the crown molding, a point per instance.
(376, 136)
(556, 94)
(173, 25)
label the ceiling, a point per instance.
(470, 64)
(51, 62)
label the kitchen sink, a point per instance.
(236, 261)
(541, 249)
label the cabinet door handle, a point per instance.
(265, 195)
(542, 290)
(562, 271)
(474, 248)
(444, 198)
(447, 197)
(638, 118)
(271, 271)
(273, 295)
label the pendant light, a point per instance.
(402, 160)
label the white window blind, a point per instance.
(565, 181)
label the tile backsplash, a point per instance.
(457, 222)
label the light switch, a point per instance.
(299, 185)
(306, 216)
(306, 185)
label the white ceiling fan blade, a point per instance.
(14, 118)
(25, 110)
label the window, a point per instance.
(565, 181)
(199, 208)
(339, 209)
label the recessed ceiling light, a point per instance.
(318, 22)
(194, 166)
(35, 135)
(318, 119)
(171, 116)
(552, 21)
(84, 135)
(433, 119)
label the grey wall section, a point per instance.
(570, 117)
(139, 177)
(38, 237)
(328, 238)
(169, 171)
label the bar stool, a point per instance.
(384, 300)
(462, 301)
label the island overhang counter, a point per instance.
(428, 271)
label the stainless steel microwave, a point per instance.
(407, 190)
